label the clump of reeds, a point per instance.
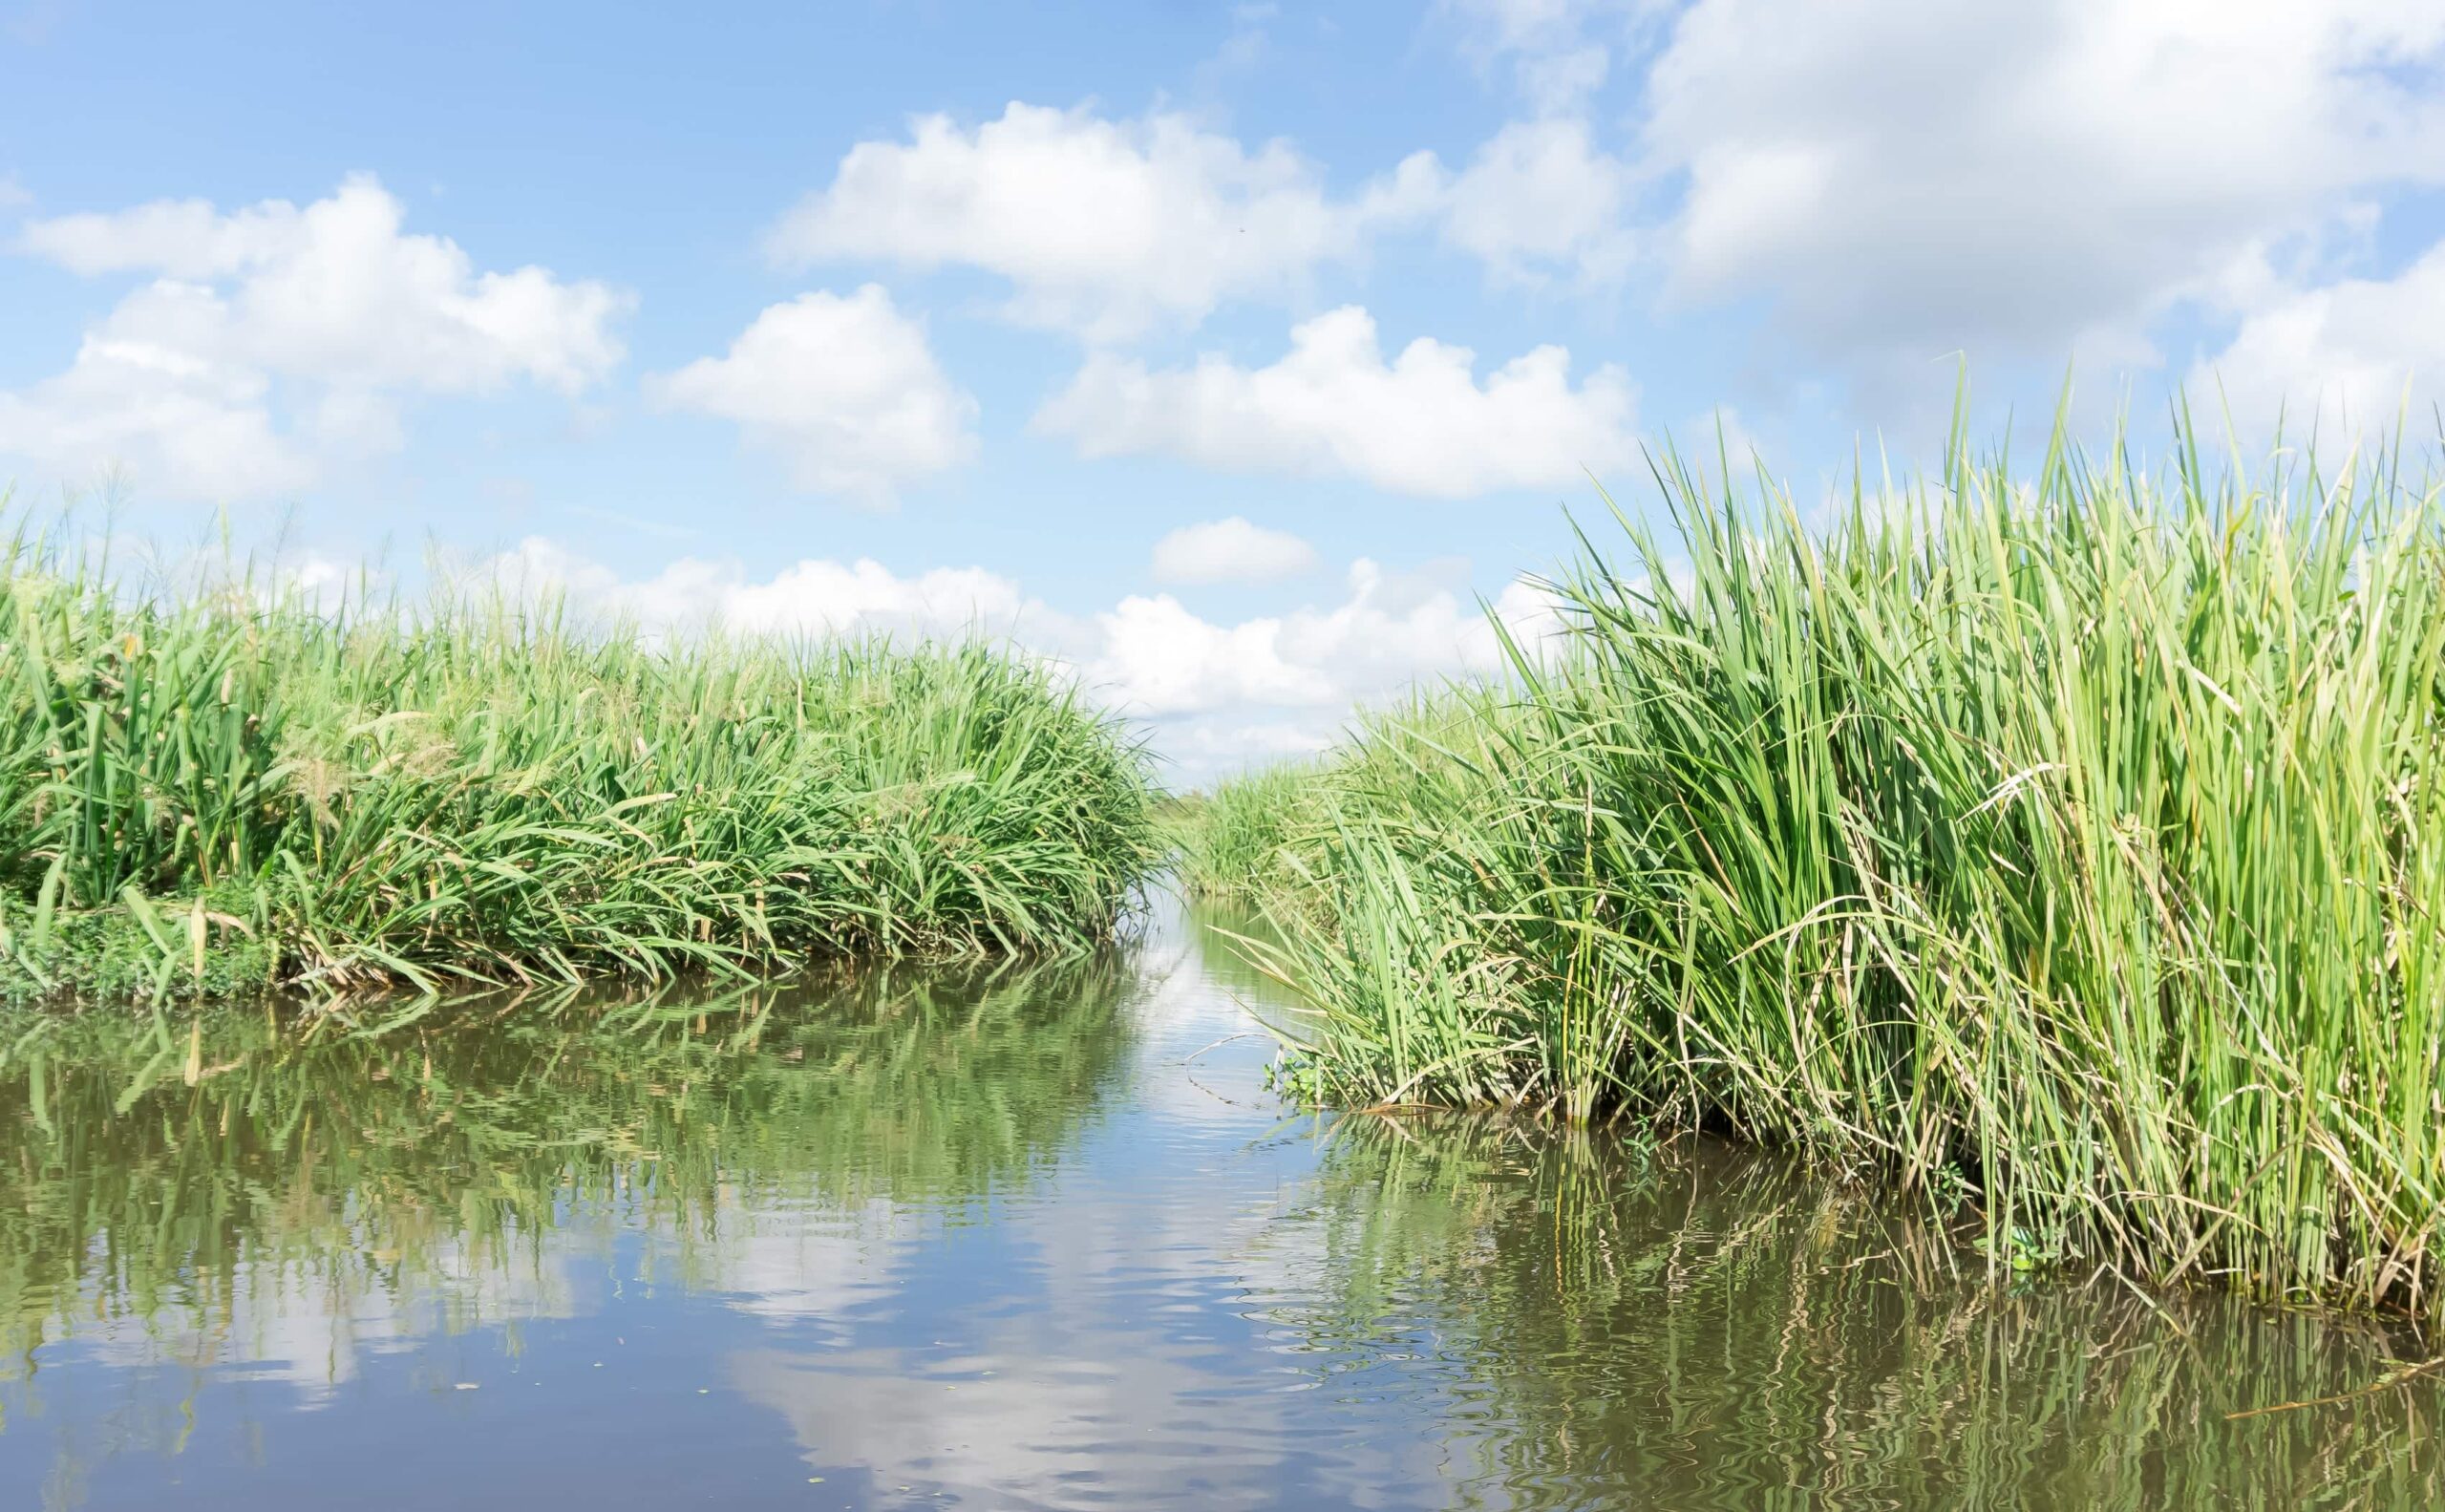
(1230, 837)
(204, 789)
(2071, 844)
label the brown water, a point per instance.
(1035, 1239)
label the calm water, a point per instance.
(1034, 1240)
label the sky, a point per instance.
(1242, 358)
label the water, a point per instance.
(1036, 1239)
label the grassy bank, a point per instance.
(2068, 842)
(202, 790)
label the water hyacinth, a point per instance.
(2069, 844)
(206, 790)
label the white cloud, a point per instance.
(1542, 195)
(1560, 51)
(1422, 424)
(813, 596)
(1915, 178)
(179, 379)
(1222, 745)
(1222, 696)
(335, 292)
(1158, 658)
(2339, 359)
(1155, 658)
(138, 395)
(1113, 228)
(845, 388)
(1217, 695)
(1103, 227)
(1231, 551)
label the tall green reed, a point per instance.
(2067, 842)
(214, 784)
(1230, 837)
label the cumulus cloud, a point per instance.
(332, 303)
(1539, 196)
(1333, 407)
(1156, 658)
(1113, 228)
(813, 596)
(1100, 226)
(846, 389)
(2342, 358)
(1231, 551)
(1217, 695)
(146, 394)
(1914, 178)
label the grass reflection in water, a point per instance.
(1707, 1326)
(151, 1177)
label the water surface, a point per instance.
(1035, 1238)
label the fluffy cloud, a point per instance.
(1913, 177)
(1103, 227)
(331, 304)
(1112, 228)
(1231, 551)
(1155, 658)
(813, 596)
(167, 407)
(1158, 658)
(845, 388)
(1217, 695)
(2338, 358)
(1539, 196)
(1421, 424)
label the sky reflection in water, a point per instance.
(994, 1239)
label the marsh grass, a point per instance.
(217, 785)
(2070, 844)
(1228, 840)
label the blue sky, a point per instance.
(1228, 352)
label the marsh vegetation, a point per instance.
(2063, 840)
(210, 786)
